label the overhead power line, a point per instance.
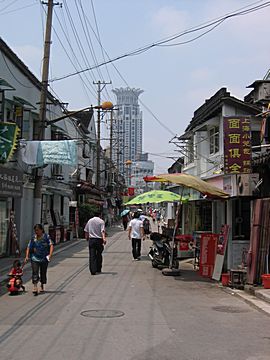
(211, 24)
(15, 10)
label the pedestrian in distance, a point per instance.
(146, 226)
(96, 237)
(39, 250)
(125, 220)
(136, 234)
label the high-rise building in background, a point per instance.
(140, 169)
(127, 130)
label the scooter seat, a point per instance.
(159, 244)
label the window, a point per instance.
(57, 170)
(214, 140)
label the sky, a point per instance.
(176, 80)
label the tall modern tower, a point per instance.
(127, 130)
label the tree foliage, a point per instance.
(86, 211)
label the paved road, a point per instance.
(132, 311)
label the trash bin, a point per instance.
(266, 281)
(225, 278)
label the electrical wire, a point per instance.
(97, 36)
(99, 40)
(89, 42)
(79, 44)
(75, 66)
(21, 8)
(172, 38)
(12, 73)
(195, 38)
(66, 52)
(10, 4)
(65, 32)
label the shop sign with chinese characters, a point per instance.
(237, 145)
(10, 182)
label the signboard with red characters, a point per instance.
(131, 191)
(183, 246)
(208, 253)
(237, 145)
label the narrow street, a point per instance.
(130, 311)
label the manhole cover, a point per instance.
(102, 313)
(229, 309)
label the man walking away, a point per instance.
(95, 235)
(136, 234)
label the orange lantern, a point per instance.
(107, 105)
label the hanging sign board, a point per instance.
(8, 140)
(237, 145)
(11, 182)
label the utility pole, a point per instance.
(99, 83)
(111, 144)
(42, 109)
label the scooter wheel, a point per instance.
(154, 264)
(171, 272)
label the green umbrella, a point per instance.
(154, 196)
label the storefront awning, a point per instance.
(84, 187)
(192, 182)
(4, 85)
(23, 102)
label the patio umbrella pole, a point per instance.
(176, 225)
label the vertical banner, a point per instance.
(237, 145)
(221, 249)
(208, 254)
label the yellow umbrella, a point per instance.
(192, 182)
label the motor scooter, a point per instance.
(161, 252)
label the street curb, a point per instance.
(252, 300)
(261, 296)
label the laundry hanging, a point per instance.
(39, 153)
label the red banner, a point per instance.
(131, 191)
(208, 254)
(223, 239)
(237, 145)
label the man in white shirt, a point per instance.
(136, 234)
(95, 234)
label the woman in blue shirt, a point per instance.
(40, 250)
